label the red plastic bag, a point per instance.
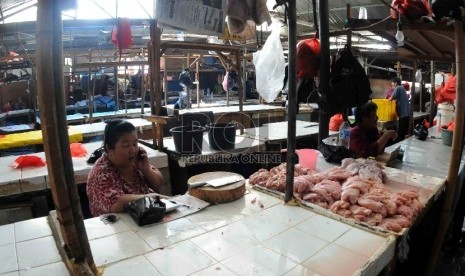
(308, 58)
(335, 122)
(412, 9)
(121, 35)
(77, 150)
(451, 126)
(28, 161)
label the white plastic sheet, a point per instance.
(269, 67)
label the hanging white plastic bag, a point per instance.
(269, 67)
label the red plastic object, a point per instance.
(28, 161)
(77, 150)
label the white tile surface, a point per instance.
(117, 247)
(296, 244)
(216, 269)
(139, 266)
(220, 215)
(325, 228)
(259, 260)
(96, 228)
(7, 234)
(257, 227)
(32, 229)
(56, 269)
(166, 234)
(290, 215)
(8, 258)
(335, 260)
(183, 258)
(253, 202)
(301, 270)
(223, 243)
(14, 273)
(361, 241)
(37, 252)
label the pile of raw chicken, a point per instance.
(353, 190)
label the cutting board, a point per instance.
(222, 194)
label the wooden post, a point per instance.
(455, 156)
(412, 93)
(431, 101)
(197, 80)
(399, 70)
(56, 141)
(165, 83)
(142, 90)
(292, 112)
(240, 88)
(155, 97)
(116, 87)
(323, 12)
(125, 89)
(188, 89)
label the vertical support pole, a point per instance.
(188, 89)
(125, 89)
(56, 141)
(412, 93)
(455, 156)
(240, 88)
(292, 112)
(142, 90)
(323, 12)
(197, 80)
(165, 82)
(431, 101)
(115, 70)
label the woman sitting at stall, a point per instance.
(123, 173)
(365, 139)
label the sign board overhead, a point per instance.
(196, 16)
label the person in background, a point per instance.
(365, 138)
(402, 108)
(123, 173)
(186, 82)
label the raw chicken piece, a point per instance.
(316, 199)
(405, 211)
(358, 210)
(350, 195)
(410, 194)
(303, 184)
(391, 206)
(338, 174)
(374, 219)
(318, 189)
(260, 177)
(373, 205)
(402, 221)
(281, 169)
(391, 224)
(333, 187)
(400, 199)
(339, 205)
(277, 182)
(356, 182)
(353, 168)
(346, 162)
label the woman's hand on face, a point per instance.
(142, 161)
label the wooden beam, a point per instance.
(110, 64)
(56, 141)
(197, 46)
(226, 60)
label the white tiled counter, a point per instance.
(17, 181)
(238, 238)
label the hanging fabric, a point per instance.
(239, 11)
(121, 35)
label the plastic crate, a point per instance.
(386, 109)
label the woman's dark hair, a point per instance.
(396, 81)
(364, 111)
(114, 130)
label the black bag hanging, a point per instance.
(146, 210)
(348, 83)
